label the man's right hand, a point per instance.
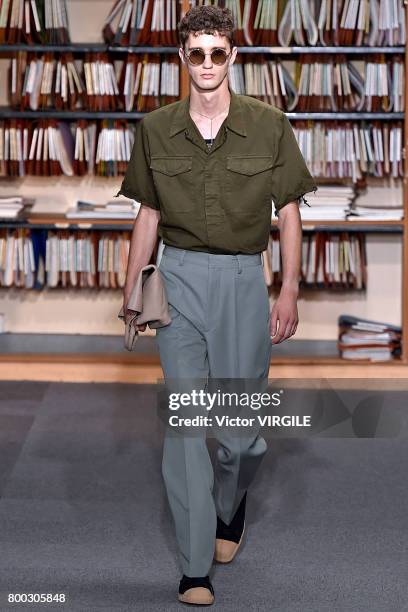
(142, 244)
(125, 310)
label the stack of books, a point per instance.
(376, 209)
(329, 203)
(364, 339)
(377, 213)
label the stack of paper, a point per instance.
(377, 214)
(375, 208)
(364, 339)
(122, 209)
(329, 203)
(13, 207)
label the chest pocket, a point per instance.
(172, 176)
(171, 166)
(248, 183)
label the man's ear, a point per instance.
(181, 55)
(234, 52)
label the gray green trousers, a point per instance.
(220, 329)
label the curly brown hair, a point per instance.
(206, 20)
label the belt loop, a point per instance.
(181, 260)
(239, 264)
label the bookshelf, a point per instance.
(399, 228)
(53, 222)
(404, 266)
(393, 227)
(9, 113)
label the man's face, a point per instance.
(208, 76)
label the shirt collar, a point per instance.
(234, 121)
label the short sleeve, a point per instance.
(291, 178)
(138, 182)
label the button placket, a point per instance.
(216, 145)
(195, 140)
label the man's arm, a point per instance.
(142, 243)
(284, 314)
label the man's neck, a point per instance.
(210, 103)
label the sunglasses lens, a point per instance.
(196, 57)
(218, 57)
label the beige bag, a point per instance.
(147, 304)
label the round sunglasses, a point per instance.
(196, 57)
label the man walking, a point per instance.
(205, 170)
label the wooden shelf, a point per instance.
(316, 49)
(10, 113)
(277, 50)
(85, 358)
(110, 349)
(52, 222)
(61, 222)
(375, 227)
(84, 48)
(344, 116)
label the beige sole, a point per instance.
(198, 596)
(229, 558)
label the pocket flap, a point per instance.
(249, 164)
(171, 165)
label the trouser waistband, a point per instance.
(213, 260)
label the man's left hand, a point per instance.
(284, 316)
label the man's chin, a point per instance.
(208, 84)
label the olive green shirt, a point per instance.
(216, 199)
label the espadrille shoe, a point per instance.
(229, 537)
(197, 591)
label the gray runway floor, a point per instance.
(83, 512)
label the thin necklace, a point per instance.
(210, 118)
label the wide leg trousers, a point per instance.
(219, 308)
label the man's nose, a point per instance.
(208, 61)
